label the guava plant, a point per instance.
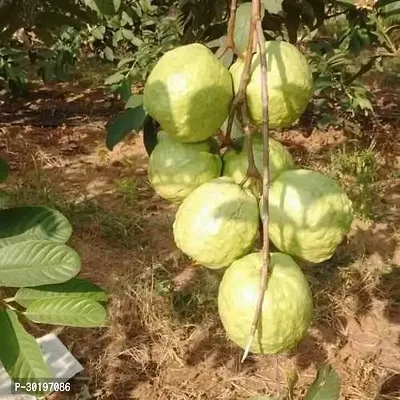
(193, 95)
(39, 284)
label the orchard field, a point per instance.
(163, 338)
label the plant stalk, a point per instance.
(252, 171)
(240, 96)
(265, 194)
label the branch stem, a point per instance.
(240, 96)
(265, 193)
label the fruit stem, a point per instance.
(265, 192)
(252, 171)
(230, 41)
(240, 96)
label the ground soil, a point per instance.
(163, 338)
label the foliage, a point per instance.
(339, 93)
(38, 283)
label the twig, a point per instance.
(244, 79)
(230, 42)
(252, 171)
(265, 195)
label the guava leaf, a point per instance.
(19, 224)
(36, 263)
(242, 25)
(77, 312)
(20, 353)
(273, 6)
(150, 137)
(74, 288)
(216, 42)
(3, 170)
(326, 385)
(129, 120)
(115, 78)
(134, 101)
(117, 5)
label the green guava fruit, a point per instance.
(310, 214)
(287, 309)
(290, 84)
(235, 159)
(217, 223)
(189, 92)
(175, 169)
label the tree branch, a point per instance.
(230, 42)
(252, 171)
(265, 196)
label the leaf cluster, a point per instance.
(39, 284)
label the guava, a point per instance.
(189, 92)
(236, 159)
(309, 214)
(217, 223)
(287, 309)
(175, 169)
(290, 84)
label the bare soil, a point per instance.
(163, 338)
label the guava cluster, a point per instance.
(189, 93)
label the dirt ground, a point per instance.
(163, 339)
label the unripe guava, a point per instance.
(175, 169)
(236, 159)
(188, 93)
(217, 223)
(290, 84)
(310, 214)
(287, 309)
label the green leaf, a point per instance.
(126, 19)
(19, 224)
(128, 34)
(83, 313)
(125, 89)
(273, 6)
(115, 78)
(216, 42)
(117, 5)
(150, 134)
(35, 263)
(130, 120)
(242, 25)
(125, 61)
(326, 385)
(99, 32)
(134, 101)
(109, 54)
(20, 353)
(74, 288)
(389, 10)
(3, 170)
